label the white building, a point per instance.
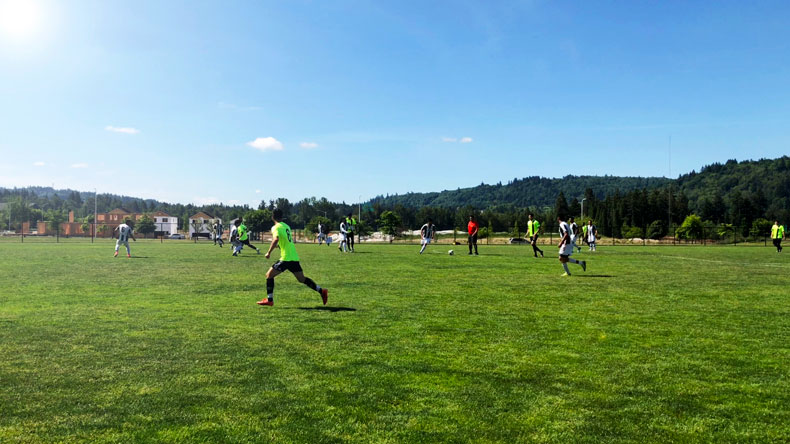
(165, 223)
(201, 223)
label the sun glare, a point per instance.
(19, 18)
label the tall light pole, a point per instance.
(583, 199)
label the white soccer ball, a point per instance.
(450, 252)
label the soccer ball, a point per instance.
(450, 252)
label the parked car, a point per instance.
(176, 236)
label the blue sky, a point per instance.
(197, 101)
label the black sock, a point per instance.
(270, 287)
(309, 282)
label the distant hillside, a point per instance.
(527, 192)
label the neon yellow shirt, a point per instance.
(584, 229)
(777, 232)
(282, 233)
(532, 227)
(243, 233)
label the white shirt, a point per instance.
(343, 227)
(427, 230)
(564, 228)
(124, 231)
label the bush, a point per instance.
(656, 230)
(631, 232)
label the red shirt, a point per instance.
(472, 227)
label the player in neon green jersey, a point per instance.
(777, 234)
(533, 231)
(244, 237)
(289, 260)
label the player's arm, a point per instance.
(476, 229)
(271, 247)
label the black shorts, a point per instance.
(283, 266)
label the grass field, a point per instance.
(651, 344)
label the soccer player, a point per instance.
(584, 233)
(343, 236)
(777, 234)
(566, 247)
(472, 228)
(591, 234)
(427, 234)
(533, 230)
(351, 226)
(321, 234)
(574, 234)
(289, 260)
(218, 234)
(234, 238)
(124, 233)
(354, 231)
(244, 237)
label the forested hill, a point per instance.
(527, 192)
(762, 184)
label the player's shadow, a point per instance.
(330, 309)
(139, 257)
(594, 275)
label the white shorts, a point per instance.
(425, 241)
(566, 250)
(119, 242)
(573, 239)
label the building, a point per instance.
(200, 224)
(106, 223)
(165, 224)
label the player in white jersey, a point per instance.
(321, 234)
(124, 233)
(427, 233)
(236, 244)
(566, 247)
(343, 236)
(218, 234)
(574, 234)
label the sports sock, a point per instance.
(309, 282)
(270, 288)
(573, 260)
(565, 266)
(423, 248)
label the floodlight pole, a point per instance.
(583, 199)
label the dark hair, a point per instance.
(238, 222)
(277, 214)
(429, 220)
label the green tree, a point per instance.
(657, 229)
(390, 223)
(102, 229)
(55, 217)
(145, 225)
(761, 228)
(692, 227)
(258, 221)
(561, 205)
(516, 233)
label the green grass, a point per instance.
(651, 344)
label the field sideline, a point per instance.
(651, 344)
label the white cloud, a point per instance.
(449, 139)
(79, 165)
(38, 164)
(257, 191)
(308, 145)
(266, 144)
(116, 129)
(466, 140)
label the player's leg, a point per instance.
(424, 243)
(475, 242)
(299, 275)
(270, 275)
(128, 251)
(469, 241)
(564, 262)
(117, 246)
